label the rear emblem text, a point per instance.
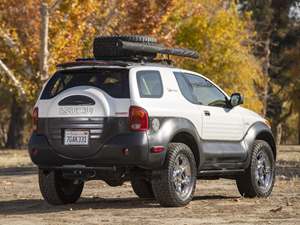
(75, 110)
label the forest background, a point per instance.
(247, 46)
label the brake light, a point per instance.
(138, 119)
(35, 116)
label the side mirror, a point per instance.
(236, 99)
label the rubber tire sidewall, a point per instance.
(247, 184)
(129, 38)
(142, 188)
(51, 190)
(162, 185)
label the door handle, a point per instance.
(206, 113)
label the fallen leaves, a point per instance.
(276, 209)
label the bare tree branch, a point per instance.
(9, 42)
(44, 36)
(13, 78)
(287, 114)
(54, 6)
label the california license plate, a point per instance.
(76, 137)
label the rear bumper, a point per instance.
(110, 154)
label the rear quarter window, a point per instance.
(149, 84)
(115, 82)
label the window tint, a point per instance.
(112, 81)
(199, 90)
(185, 88)
(149, 83)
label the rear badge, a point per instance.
(155, 124)
(75, 110)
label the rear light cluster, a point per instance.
(138, 119)
(35, 116)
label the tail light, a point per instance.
(138, 119)
(35, 116)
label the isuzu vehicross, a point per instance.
(127, 116)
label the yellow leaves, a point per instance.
(220, 35)
(71, 31)
(211, 27)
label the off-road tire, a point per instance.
(130, 38)
(57, 190)
(142, 187)
(246, 183)
(162, 183)
(114, 182)
(108, 47)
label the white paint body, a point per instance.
(222, 124)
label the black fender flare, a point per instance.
(172, 126)
(258, 131)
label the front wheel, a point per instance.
(57, 190)
(259, 178)
(175, 183)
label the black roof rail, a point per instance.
(92, 62)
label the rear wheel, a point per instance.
(258, 181)
(174, 185)
(142, 187)
(57, 190)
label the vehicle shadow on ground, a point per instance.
(288, 169)
(36, 206)
(18, 171)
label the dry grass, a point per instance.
(215, 201)
(287, 154)
(14, 158)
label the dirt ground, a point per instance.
(215, 201)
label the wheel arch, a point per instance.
(267, 136)
(259, 131)
(176, 129)
(187, 138)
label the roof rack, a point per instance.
(127, 50)
(91, 62)
(135, 48)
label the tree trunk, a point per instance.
(44, 41)
(16, 125)
(278, 134)
(266, 67)
(298, 127)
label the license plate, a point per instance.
(76, 137)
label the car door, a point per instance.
(222, 128)
(220, 122)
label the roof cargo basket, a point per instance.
(134, 48)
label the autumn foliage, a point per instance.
(223, 35)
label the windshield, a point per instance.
(112, 81)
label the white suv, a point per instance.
(140, 119)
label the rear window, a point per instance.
(112, 81)
(149, 83)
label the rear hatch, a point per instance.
(80, 109)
